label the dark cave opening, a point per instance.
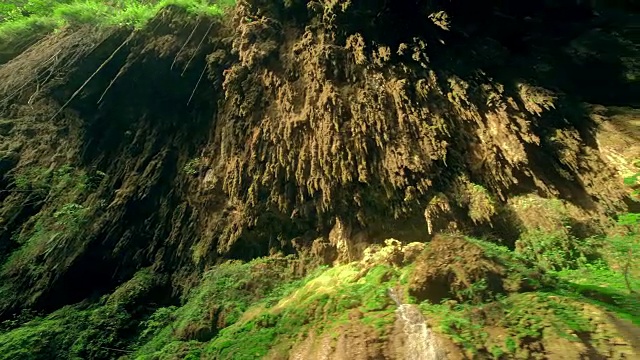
(512, 24)
(387, 22)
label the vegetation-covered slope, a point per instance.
(143, 144)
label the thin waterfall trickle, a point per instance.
(421, 344)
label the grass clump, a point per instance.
(81, 13)
(24, 29)
(35, 18)
(555, 250)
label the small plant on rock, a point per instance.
(191, 167)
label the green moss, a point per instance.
(82, 332)
(314, 307)
(275, 316)
(248, 310)
(44, 338)
(224, 295)
(599, 285)
(557, 308)
(524, 317)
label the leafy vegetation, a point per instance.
(254, 314)
(51, 237)
(601, 271)
(555, 250)
(68, 186)
(20, 18)
(191, 167)
(556, 310)
(100, 331)
(321, 303)
(324, 300)
(225, 293)
(246, 310)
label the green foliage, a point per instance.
(42, 339)
(21, 19)
(79, 13)
(613, 281)
(626, 248)
(24, 30)
(33, 179)
(525, 317)
(459, 325)
(632, 180)
(263, 313)
(225, 293)
(321, 303)
(71, 216)
(191, 167)
(601, 272)
(48, 241)
(8, 11)
(555, 250)
(269, 318)
(519, 274)
(101, 331)
(17, 320)
(603, 286)
(246, 310)
(48, 234)
(65, 180)
(160, 319)
(107, 332)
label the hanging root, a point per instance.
(185, 44)
(120, 72)
(197, 83)
(92, 76)
(36, 78)
(197, 48)
(64, 58)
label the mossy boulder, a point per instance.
(454, 267)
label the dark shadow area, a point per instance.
(145, 114)
(630, 330)
(88, 278)
(592, 353)
(271, 233)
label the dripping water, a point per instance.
(421, 343)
